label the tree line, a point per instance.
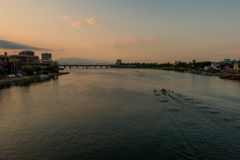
(54, 68)
(196, 65)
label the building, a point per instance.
(46, 57)
(27, 53)
(14, 67)
(154, 64)
(177, 62)
(42, 65)
(215, 65)
(208, 67)
(119, 62)
(236, 66)
(25, 58)
(4, 60)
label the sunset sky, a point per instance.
(132, 30)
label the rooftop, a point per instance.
(22, 56)
(27, 51)
(4, 56)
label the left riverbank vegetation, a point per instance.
(33, 70)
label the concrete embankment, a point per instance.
(25, 78)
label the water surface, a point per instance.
(114, 114)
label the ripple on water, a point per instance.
(190, 125)
(157, 94)
(171, 109)
(213, 112)
(204, 107)
(196, 102)
(184, 125)
(188, 99)
(163, 101)
(228, 119)
(179, 95)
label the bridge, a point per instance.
(101, 65)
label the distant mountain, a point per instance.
(75, 60)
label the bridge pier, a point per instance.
(77, 67)
(100, 66)
(64, 66)
(106, 67)
(95, 66)
(70, 67)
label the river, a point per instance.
(115, 114)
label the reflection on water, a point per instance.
(115, 114)
(28, 82)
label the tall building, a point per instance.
(25, 56)
(46, 57)
(26, 53)
(118, 62)
(4, 59)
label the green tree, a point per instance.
(13, 60)
(181, 65)
(36, 69)
(1, 71)
(54, 67)
(27, 70)
(36, 61)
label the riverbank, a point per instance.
(221, 74)
(6, 81)
(161, 68)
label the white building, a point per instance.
(236, 66)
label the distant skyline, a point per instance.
(151, 31)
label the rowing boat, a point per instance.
(164, 92)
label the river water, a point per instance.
(114, 114)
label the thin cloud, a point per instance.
(12, 45)
(78, 24)
(65, 17)
(132, 41)
(93, 21)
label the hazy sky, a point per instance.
(131, 30)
